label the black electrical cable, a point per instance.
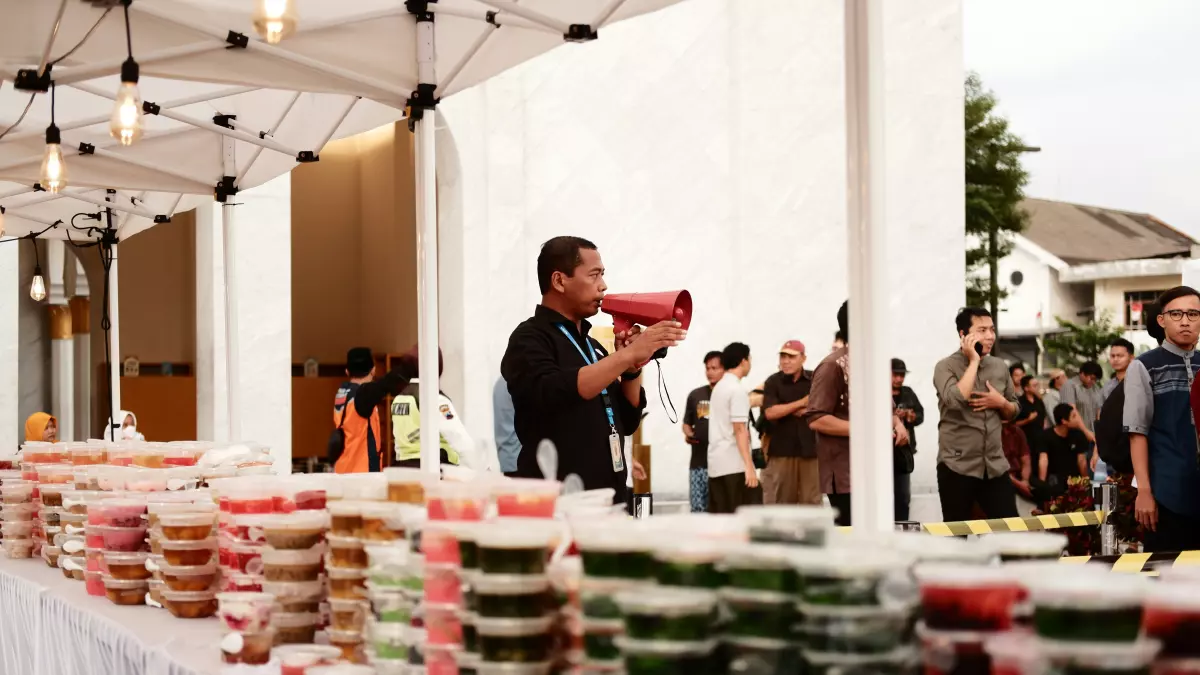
(21, 118)
(87, 35)
(128, 33)
(106, 261)
(673, 416)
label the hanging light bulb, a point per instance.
(275, 19)
(54, 169)
(2, 212)
(125, 124)
(37, 289)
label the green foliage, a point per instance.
(1082, 342)
(994, 190)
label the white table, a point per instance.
(49, 625)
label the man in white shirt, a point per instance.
(732, 479)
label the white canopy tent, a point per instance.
(397, 54)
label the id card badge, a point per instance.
(614, 449)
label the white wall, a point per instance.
(703, 148)
(1110, 293)
(1019, 311)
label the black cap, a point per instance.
(899, 367)
(360, 362)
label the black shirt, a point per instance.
(541, 367)
(790, 435)
(1033, 430)
(696, 416)
(907, 399)
(1063, 453)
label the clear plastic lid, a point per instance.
(526, 487)
(844, 563)
(611, 534)
(178, 545)
(510, 584)
(513, 627)
(345, 507)
(387, 556)
(519, 533)
(961, 575)
(791, 514)
(1039, 544)
(187, 596)
(1102, 656)
(295, 619)
(125, 558)
(664, 648)
(761, 557)
(398, 475)
(1075, 586)
(667, 601)
(186, 570)
(285, 558)
(343, 542)
(511, 668)
(297, 520)
(299, 656)
(124, 584)
(341, 669)
(194, 519)
(929, 548)
(294, 591)
(345, 573)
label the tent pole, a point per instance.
(870, 405)
(427, 253)
(114, 349)
(232, 352)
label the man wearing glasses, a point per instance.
(1162, 434)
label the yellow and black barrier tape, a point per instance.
(1149, 563)
(1053, 521)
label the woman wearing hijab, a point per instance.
(128, 430)
(41, 427)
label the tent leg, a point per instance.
(427, 256)
(114, 350)
(870, 406)
(232, 352)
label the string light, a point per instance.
(274, 20)
(125, 124)
(54, 168)
(37, 288)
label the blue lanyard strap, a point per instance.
(591, 352)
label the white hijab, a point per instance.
(125, 433)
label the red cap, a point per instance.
(792, 348)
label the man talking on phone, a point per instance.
(975, 395)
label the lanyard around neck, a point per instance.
(590, 358)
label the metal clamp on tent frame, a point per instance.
(581, 32)
(225, 188)
(29, 79)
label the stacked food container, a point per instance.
(116, 536)
(292, 562)
(17, 515)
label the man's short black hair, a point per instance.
(843, 319)
(560, 254)
(712, 355)
(1150, 314)
(1122, 342)
(839, 335)
(1026, 380)
(1015, 367)
(1172, 295)
(1091, 368)
(359, 362)
(966, 315)
(1062, 412)
(734, 354)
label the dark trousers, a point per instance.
(1175, 532)
(841, 502)
(959, 495)
(902, 487)
(727, 493)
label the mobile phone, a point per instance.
(979, 349)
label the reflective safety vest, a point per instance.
(406, 427)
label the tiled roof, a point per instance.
(1086, 234)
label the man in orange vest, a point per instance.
(361, 449)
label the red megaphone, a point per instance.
(647, 309)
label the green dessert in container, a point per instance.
(794, 525)
(1096, 658)
(853, 630)
(668, 613)
(465, 533)
(599, 639)
(1086, 604)
(691, 563)
(899, 662)
(759, 613)
(517, 545)
(1026, 546)
(761, 567)
(390, 640)
(514, 640)
(468, 662)
(492, 668)
(760, 656)
(511, 596)
(615, 548)
(656, 657)
(854, 577)
(470, 635)
(597, 597)
(390, 604)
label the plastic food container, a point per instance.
(761, 567)
(599, 639)
(1019, 546)
(1122, 657)
(16, 492)
(598, 596)
(788, 524)
(127, 566)
(514, 640)
(526, 497)
(614, 548)
(511, 596)
(245, 612)
(305, 659)
(899, 661)
(351, 644)
(125, 591)
(156, 508)
(241, 557)
(442, 585)
(17, 512)
(442, 625)
(761, 655)
(390, 605)
(117, 512)
(760, 613)
(298, 531)
(186, 526)
(189, 578)
(446, 500)
(50, 554)
(854, 577)
(17, 529)
(407, 486)
(439, 544)
(1066, 605)
(516, 545)
(94, 536)
(1173, 618)
(285, 565)
(382, 521)
(49, 516)
(691, 563)
(188, 553)
(51, 494)
(853, 630)
(346, 518)
(678, 614)
(241, 583)
(346, 552)
(959, 597)
(123, 538)
(349, 615)
(1015, 653)
(345, 583)
(293, 629)
(252, 649)
(389, 640)
(179, 457)
(18, 548)
(190, 604)
(247, 528)
(82, 455)
(57, 474)
(651, 657)
(247, 495)
(94, 583)
(296, 596)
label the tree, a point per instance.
(1082, 342)
(995, 182)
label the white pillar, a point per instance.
(427, 256)
(81, 345)
(263, 312)
(62, 349)
(10, 433)
(870, 395)
(212, 413)
(1191, 273)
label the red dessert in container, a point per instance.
(94, 583)
(117, 513)
(447, 500)
(1172, 616)
(297, 659)
(442, 626)
(967, 597)
(526, 497)
(440, 546)
(442, 585)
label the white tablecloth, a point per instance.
(49, 625)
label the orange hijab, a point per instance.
(35, 426)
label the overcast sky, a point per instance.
(1109, 89)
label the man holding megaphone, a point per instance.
(565, 387)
